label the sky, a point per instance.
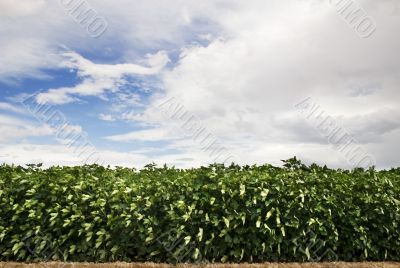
(189, 83)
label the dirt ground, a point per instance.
(153, 265)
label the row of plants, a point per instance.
(208, 214)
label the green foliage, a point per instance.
(216, 213)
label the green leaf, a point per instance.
(242, 189)
(264, 193)
(269, 213)
(200, 234)
(98, 244)
(187, 239)
(196, 254)
(258, 223)
(226, 221)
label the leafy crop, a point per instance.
(216, 213)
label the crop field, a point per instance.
(215, 214)
(245, 265)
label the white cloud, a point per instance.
(26, 153)
(34, 31)
(99, 78)
(158, 24)
(13, 129)
(24, 57)
(244, 87)
(86, 68)
(17, 8)
(154, 134)
(106, 117)
(11, 108)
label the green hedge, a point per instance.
(216, 213)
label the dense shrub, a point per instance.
(215, 213)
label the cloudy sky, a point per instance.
(186, 83)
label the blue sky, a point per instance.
(188, 83)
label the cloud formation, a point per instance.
(99, 78)
(239, 67)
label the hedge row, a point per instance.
(208, 214)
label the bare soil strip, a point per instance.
(244, 265)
